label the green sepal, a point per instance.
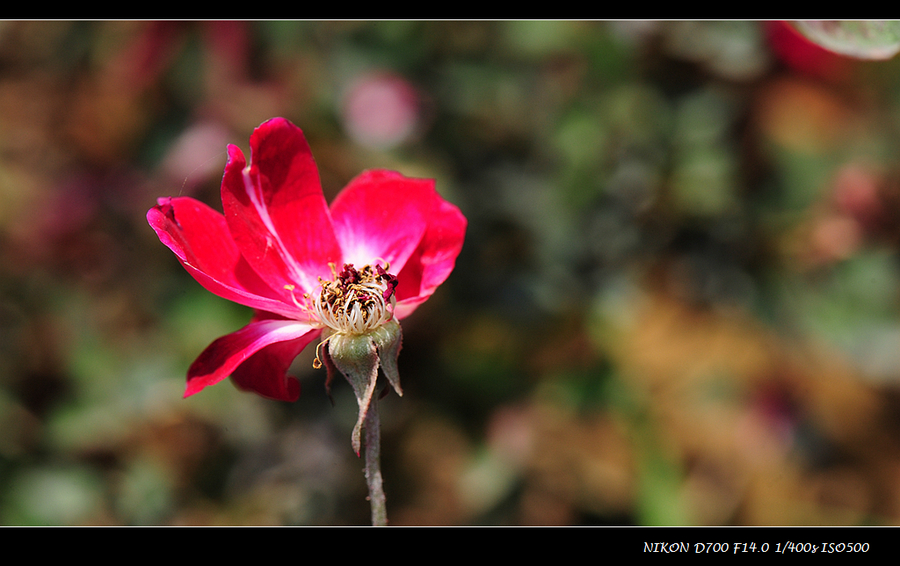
(388, 339)
(356, 357)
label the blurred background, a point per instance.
(678, 302)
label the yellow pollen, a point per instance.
(304, 306)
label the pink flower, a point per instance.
(351, 270)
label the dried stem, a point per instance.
(373, 466)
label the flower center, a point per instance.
(357, 301)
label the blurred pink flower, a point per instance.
(281, 250)
(381, 110)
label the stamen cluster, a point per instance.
(357, 301)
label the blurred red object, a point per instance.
(804, 56)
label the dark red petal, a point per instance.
(265, 372)
(434, 258)
(275, 209)
(200, 239)
(382, 215)
(265, 346)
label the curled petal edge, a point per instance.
(199, 238)
(268, 337)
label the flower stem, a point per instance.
(373, 466)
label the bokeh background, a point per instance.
(678, 302)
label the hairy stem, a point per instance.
(373, 466)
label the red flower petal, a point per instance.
(276, 211)
(382, 215)
(265, 346)
(265, 372)
(434, 258)
(200, 239)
